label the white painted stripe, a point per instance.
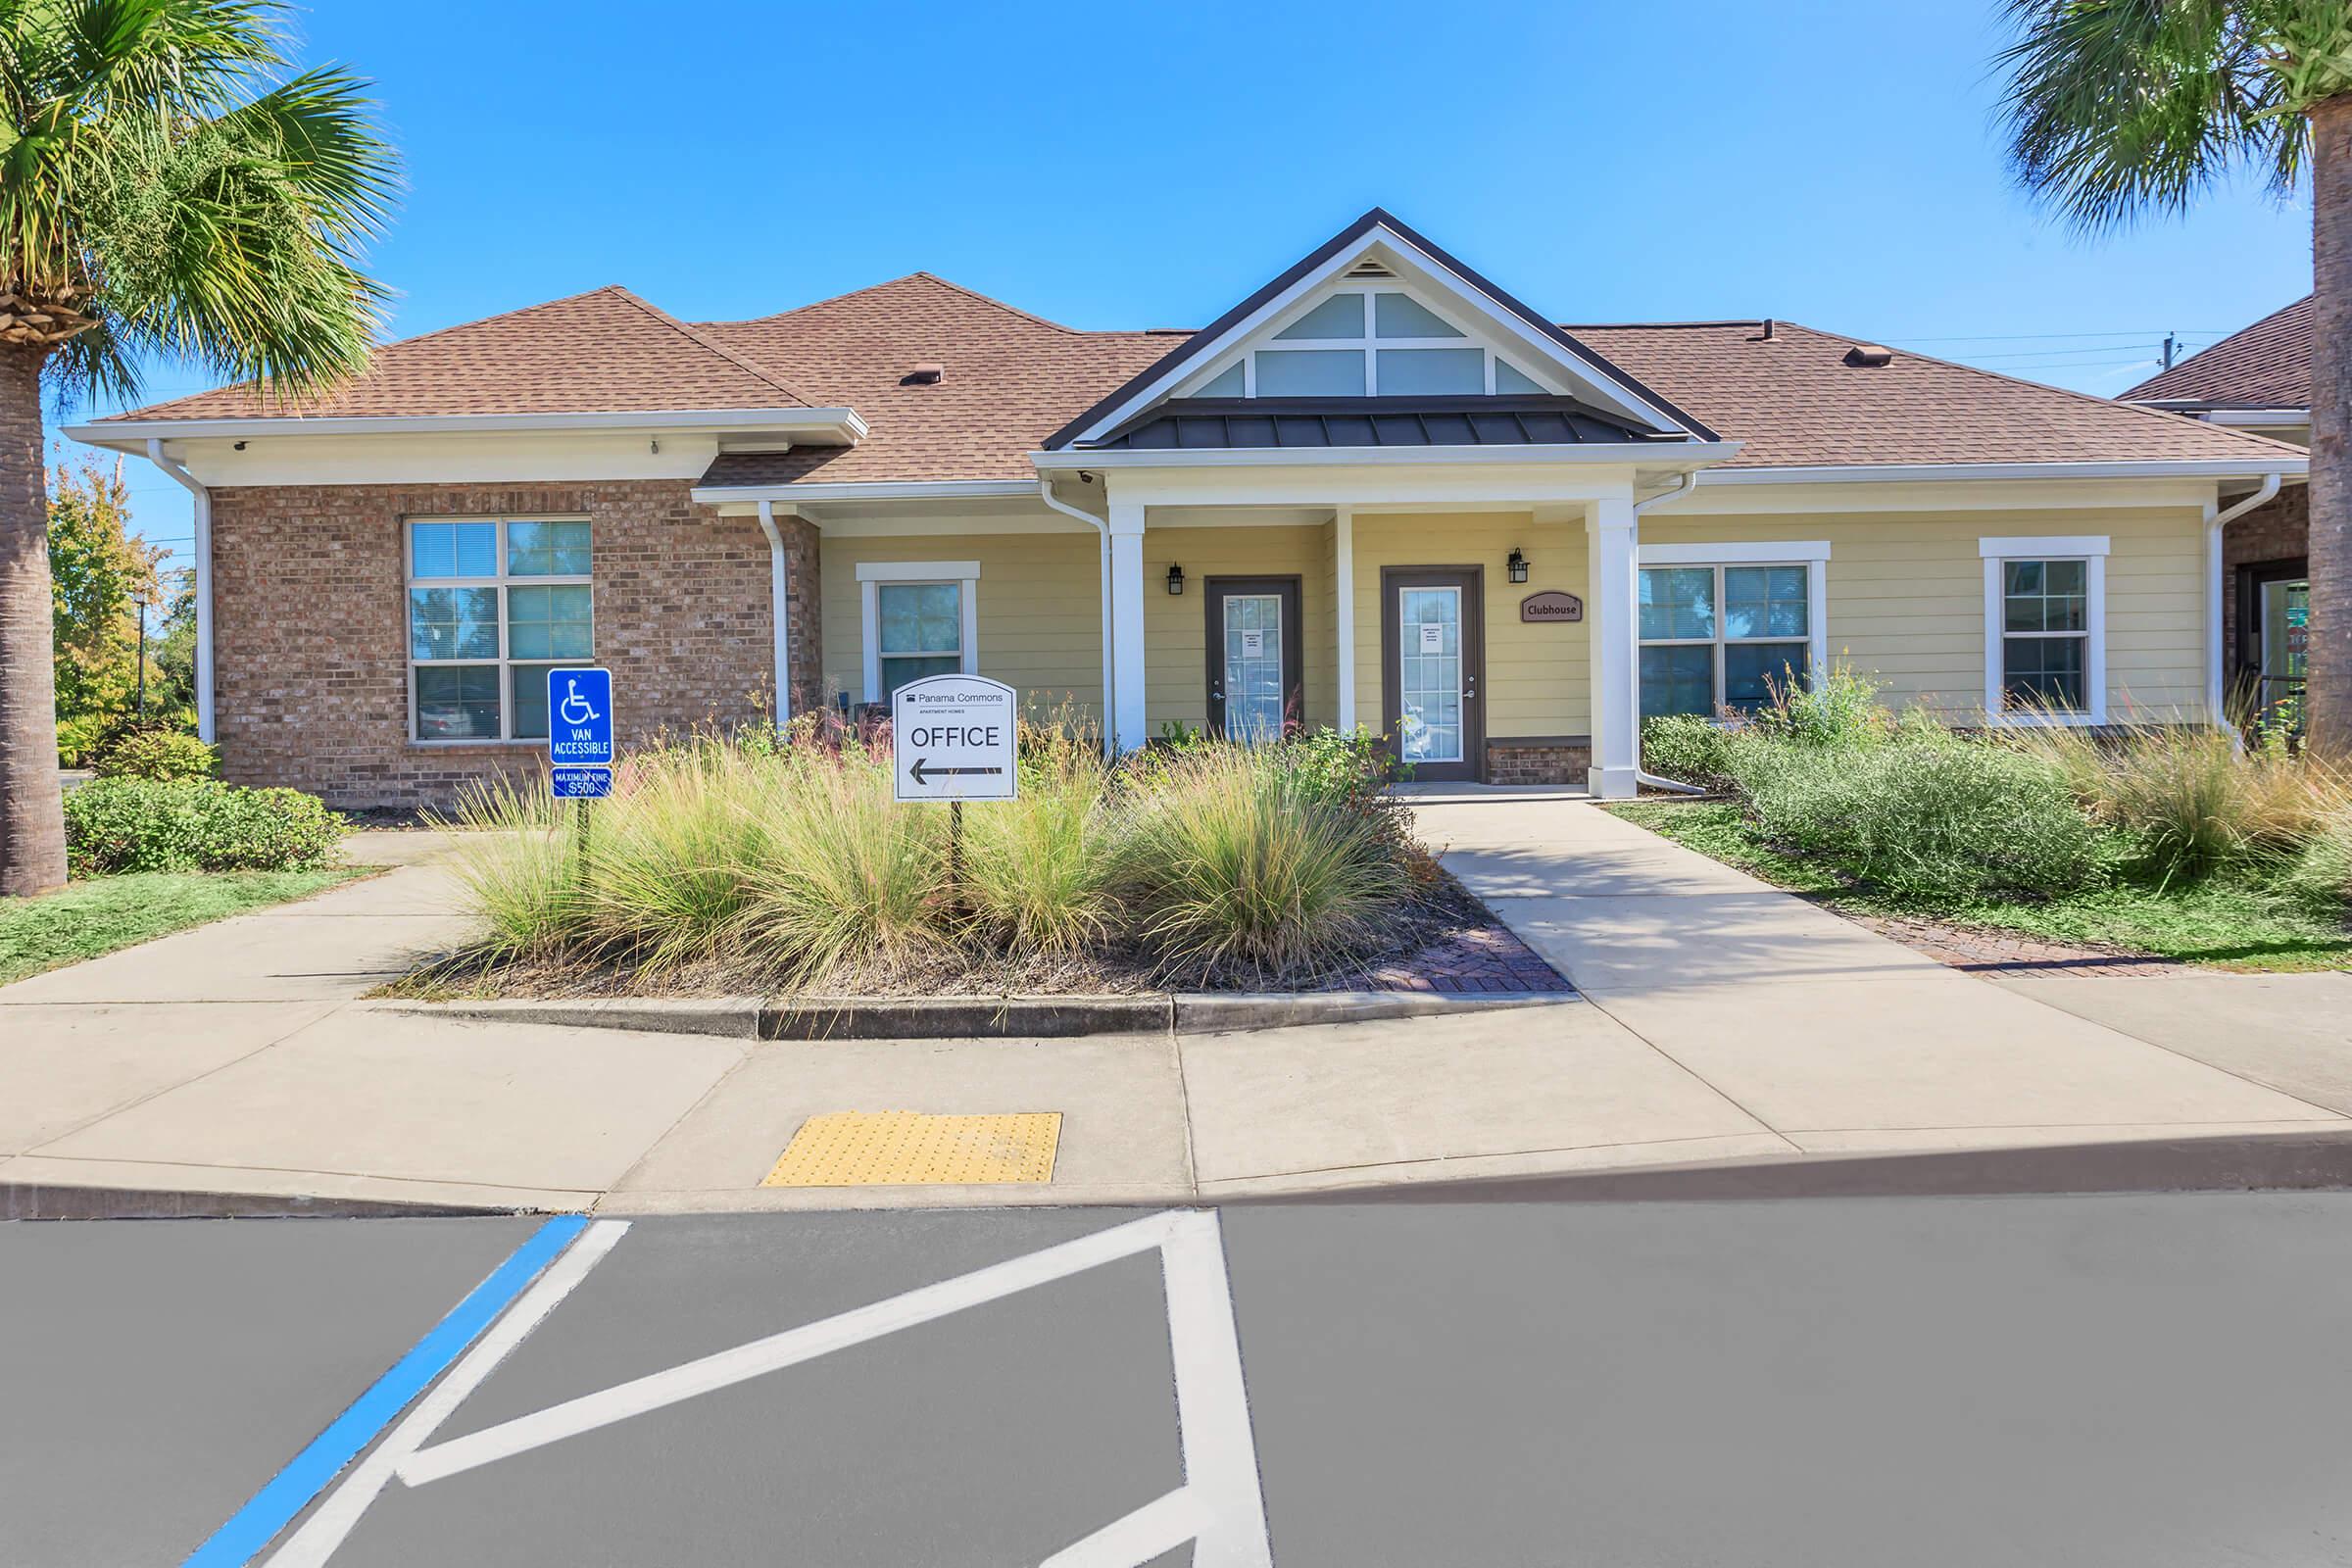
(1155, 1530)
(328, 1526)
(726, 1368)
(1213, 1403)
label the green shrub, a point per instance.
(159, 753)
(1927, 816)
(1344, 768)
(80, 738)
(1840, 711)
(1687, 748)
(138, 825)
(2321, 876)
(1232, 864)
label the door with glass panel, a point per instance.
(2283, 618)
(1254, 688)
(1433, 658)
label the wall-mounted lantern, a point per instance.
(1517, 564)
(1175, 578)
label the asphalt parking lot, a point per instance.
(2124, 1379)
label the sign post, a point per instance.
(579, 738)
(953, 739)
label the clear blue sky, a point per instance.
(1113, 166)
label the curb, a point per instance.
(819, 1018)
(2235, 1162)
(48, 1200)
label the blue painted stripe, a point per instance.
(290, 1491)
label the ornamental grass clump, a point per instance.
(1036, 873)
(520, 867)
(1231, 864)
(666, 866)
(841, 875)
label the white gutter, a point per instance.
(1045, 490)
(2216, 519)
(1656, 781)
(839, 422)
(203, 548)
(810, 492)
(2284, 461)
(780, 590)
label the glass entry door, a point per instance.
(1253, 645)
(2284, 607)
(1433, 655)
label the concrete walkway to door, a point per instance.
(1837, 1040)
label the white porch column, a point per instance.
(1343, 524)
(1127, 711)
(1616, 681)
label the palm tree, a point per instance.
(2117, 108)
(167, 188)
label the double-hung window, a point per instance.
(493, 604)
(2045, 629)
(1723, 627)
(920, 619)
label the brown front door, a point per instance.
(1433, 658)
(1254, 689)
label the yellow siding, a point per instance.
(1176, 626)
(1906, 596)
(1039, 611)
(1537, 681)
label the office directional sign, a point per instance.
(952, 739)
(579, 716)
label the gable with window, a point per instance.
(2045, 629)
(1723, 626)
(1369, 341)
(493, 604)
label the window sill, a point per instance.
(2044, 721)
(475, 746)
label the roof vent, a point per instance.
(923, 375)
(1869, 356)
(1369, 267)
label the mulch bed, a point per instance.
(1445, 942)
(1998, 953)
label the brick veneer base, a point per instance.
(311, 626)
(1537, 761)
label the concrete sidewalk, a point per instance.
(1729, 1034)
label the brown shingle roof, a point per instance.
(1795, 402)
(1011, 379)
(606, 351)
(2266, 366)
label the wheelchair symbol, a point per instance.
(575, 708)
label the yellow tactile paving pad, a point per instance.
(903, 1148)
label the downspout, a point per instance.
(779, 585)
(202, 544)
(1672, 786)
(2216, 519)
(1045, 490)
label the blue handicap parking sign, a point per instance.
(580, 783)
(579, 716)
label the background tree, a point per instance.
(2118, 108)
(100, 577)
(165, 189)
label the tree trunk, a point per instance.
(33, 820)
(2327, 688)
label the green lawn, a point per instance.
(84, 920)
(2226, 926)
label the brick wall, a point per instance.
(2279, 530)
(311, 630)
(1545, 762)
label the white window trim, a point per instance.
(872, 575)
(1370, 343)
(1811, 554)
(500, 580)
(2092, 549)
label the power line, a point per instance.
(2046, 337)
